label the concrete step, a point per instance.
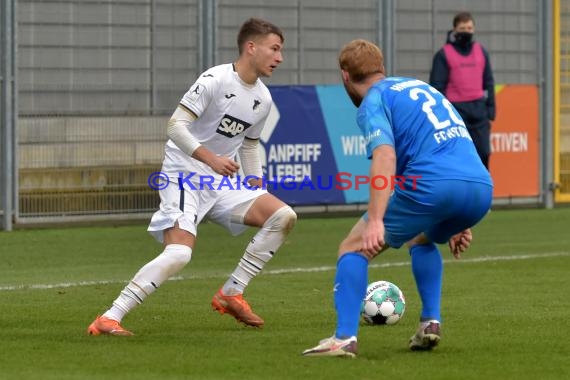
(90, 190)
(85, 179)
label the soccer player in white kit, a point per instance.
(221, 115)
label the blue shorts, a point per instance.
(440, 209)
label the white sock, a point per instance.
(260, 250)
(149, 278)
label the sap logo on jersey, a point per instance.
(231, 126)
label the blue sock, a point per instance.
(427, 267)
(349, 290)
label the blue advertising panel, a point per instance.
(346, 140)
(313, 151)
(299, 159)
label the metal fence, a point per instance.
(8, 114)
(97, 79)
(563, 56)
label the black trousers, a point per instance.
(478, 124)
(481, 136)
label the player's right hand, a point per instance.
(373, 238)
(224, 166)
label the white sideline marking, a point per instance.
(285, 271)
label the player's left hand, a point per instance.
(255, 183)
(460, 242)
(224, 165)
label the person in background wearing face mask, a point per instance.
(461, 70)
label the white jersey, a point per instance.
(228, 110)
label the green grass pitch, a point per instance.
(506, 306)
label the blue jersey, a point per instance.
(427, 133)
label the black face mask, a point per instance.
(463, 38)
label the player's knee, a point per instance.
(178, 255)
(290, 219)
(349, 244)
(283, 220)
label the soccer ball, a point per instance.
(384, 304)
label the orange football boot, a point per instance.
(236, 306)
(104, 325)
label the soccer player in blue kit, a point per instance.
(411, 131)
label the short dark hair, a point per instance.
(255, 27)
(462, 17)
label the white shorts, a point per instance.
(191, 205)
